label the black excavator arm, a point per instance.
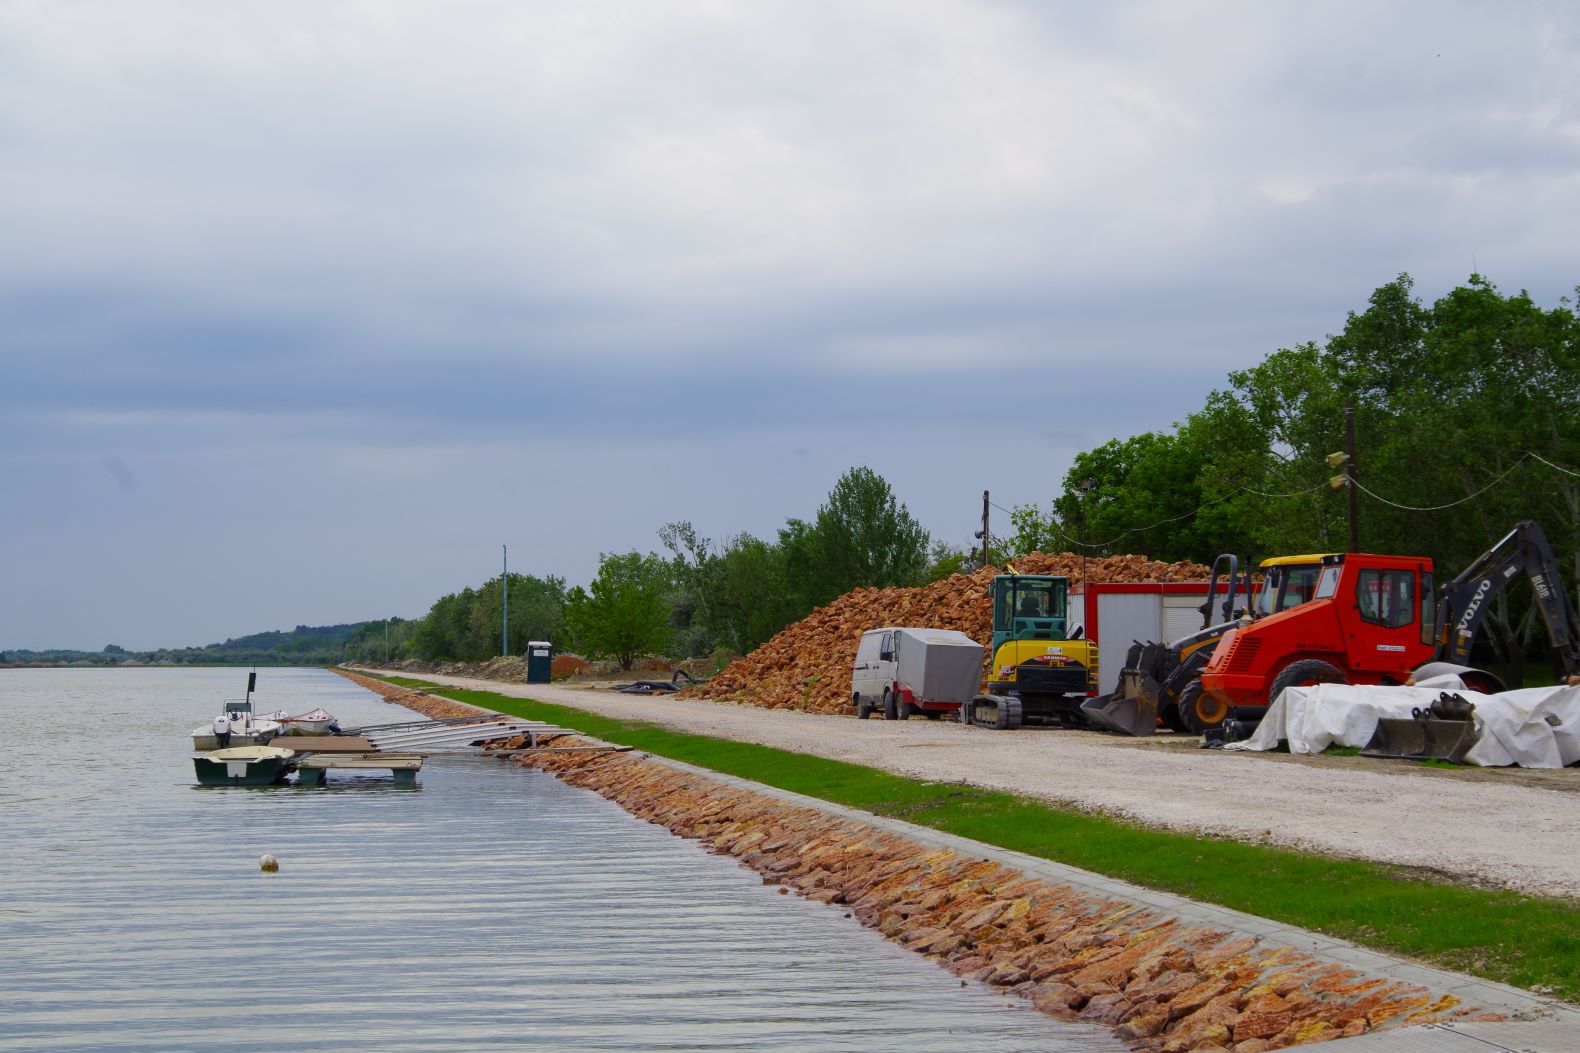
(1524, 550)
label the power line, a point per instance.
(1173, 519)
(1526, 455)
(1438, 508)
(1550, 464)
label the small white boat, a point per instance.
(316, 722)
(243, 766)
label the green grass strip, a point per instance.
(1526, 941)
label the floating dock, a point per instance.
(401, 747)
(311, 770)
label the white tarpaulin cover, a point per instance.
(1535, 727)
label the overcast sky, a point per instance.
(308, 308)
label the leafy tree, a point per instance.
(862, 537)
(467, 626)
(1467, 418)
(866, 537)
(623, 614)
(946, 560)
(693, 566)
(753, 594)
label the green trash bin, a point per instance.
(540, 662)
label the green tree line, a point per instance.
(1466, 418)
(693, 599)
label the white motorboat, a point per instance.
(244, 731)
(246, 727)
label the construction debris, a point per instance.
(807, 665)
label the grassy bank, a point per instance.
(1525, 941)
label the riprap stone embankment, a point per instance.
(1164, 986)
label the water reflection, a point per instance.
(494, 908)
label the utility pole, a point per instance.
(1347, 480)
(983, 533)
(386, 641)
(504, 602)
(1349, 471)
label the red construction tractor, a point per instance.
(1372, 620)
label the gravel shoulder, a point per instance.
(1475, 825)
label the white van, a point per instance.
(900, 671)
(872, 678)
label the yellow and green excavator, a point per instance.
(1041, 671)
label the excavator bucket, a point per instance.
(1131, 710)
(1425, 736)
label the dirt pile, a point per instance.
(807, 665)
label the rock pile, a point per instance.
(807, 665)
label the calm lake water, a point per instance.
(490, 908)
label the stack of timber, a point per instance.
(807, 665)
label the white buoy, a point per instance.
(268, 863)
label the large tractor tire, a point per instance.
(1305, 673)
(1198, 712)
(863, 708)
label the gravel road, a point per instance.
(1476, 829)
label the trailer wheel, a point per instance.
(1303, 674)
(902, 709)
(863, 708)
(1197, 711)
(889, 710)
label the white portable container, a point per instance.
(899, 671)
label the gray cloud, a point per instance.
(311, 272)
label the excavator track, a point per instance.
(998, 712)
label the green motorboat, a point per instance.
(244, 766)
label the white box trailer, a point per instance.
(1116, 614)
(899, 671)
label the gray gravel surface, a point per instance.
(1509, 836)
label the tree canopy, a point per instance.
(1467, 419)
(623, 614)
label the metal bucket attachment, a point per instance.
(1427, 735)
(1130, 710)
